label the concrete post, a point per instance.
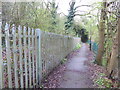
(39, 60)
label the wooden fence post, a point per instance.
(1, 61)
(39, 60)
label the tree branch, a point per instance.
(82, 6)
(111, 3)
(62, 13)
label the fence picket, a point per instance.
(29, 57)
(33, 57)
(8, 54)
(25, 58)
(15, 56)
(1, 61)
(20, 57)
(36, 58)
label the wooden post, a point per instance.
(39, 60)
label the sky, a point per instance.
(64, 4)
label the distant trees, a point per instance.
(52, 7)
(70, 17)
(84, 35)
(41, 15)
(70, 25)
(77, 28)
(81, 32)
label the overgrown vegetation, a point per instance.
(102, 81)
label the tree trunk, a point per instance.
(101, 34)
(113, 64)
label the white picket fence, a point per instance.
(19, 57)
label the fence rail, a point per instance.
(19, 62)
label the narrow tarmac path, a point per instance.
(77, 74)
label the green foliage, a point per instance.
(78, 46)
(103, 81)
(41, 15)
(63, 60)
(77, 28)
(102, 74)
(90, 24)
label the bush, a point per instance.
(78, 46)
